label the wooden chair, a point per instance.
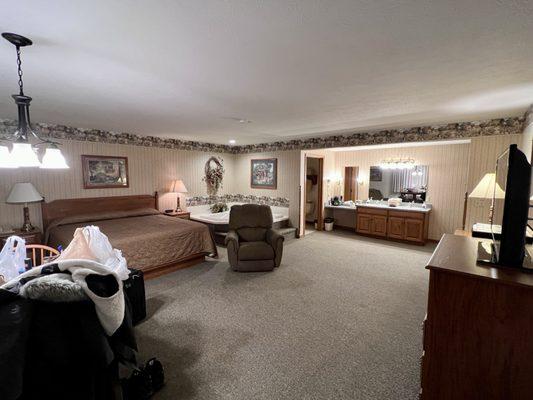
(40, 252)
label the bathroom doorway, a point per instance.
(314, 170)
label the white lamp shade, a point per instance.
(53, 159)
(23, 155)
(178, 186)
(6, 161)
(485, 189)
(23, 193)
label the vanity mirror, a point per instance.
(409, 184)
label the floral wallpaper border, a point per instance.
(7, 127)
(501, 126)
(528, 117)
(237, 198)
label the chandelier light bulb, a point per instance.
(23, 155)
(6, 161)
(53, 159)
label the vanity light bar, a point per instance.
(398, 163)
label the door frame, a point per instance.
(352, 181)
(320, 189)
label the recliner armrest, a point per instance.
(232, 237)
(232, 244)
(272, 237)
(275, 240)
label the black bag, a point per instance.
(134, 291)
(144, 381)
(154, 369)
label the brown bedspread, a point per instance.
(146, 239)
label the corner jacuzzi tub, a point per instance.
(219, 222)
(222, 218)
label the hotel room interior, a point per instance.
(315, 200)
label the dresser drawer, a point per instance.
(370, 210)
(407, 214)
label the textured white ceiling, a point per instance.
(191, 69)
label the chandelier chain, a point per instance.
(19, 71)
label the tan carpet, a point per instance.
(340, 319)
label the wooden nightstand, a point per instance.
(33, 237)
(182, 215)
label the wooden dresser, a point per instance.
(410, 226)
(478, 331)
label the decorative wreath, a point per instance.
(214, 174)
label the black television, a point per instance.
(510, 214)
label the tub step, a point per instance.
(289, 233)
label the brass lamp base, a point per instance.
(27, 226)
(178, 208)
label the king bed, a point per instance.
(150, 241)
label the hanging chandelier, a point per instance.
(25, 142)
(398, 163)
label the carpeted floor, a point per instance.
(340, 319)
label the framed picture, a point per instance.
(101, 172)
(264, 173)
(375, 174)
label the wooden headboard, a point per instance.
(72, 207)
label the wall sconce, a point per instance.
(334, 178)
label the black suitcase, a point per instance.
(134, 291)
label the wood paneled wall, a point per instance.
(150, 169)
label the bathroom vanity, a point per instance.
(402, 223)
(407, 223)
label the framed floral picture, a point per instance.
(101, 172)
(264, 173)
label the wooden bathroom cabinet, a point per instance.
(409, 226)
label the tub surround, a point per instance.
(237, 198)
(203, 214)
(218, 223)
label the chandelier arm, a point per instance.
(44, 142)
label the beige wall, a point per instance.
(288, 178)
(483, 154)
(150, 169)
(454, 169)
(526, 143)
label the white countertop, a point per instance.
(384, 206)
(342, 207)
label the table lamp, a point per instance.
(178, 187)
(24, 193)
(488, 188)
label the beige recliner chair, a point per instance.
(251, 242)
